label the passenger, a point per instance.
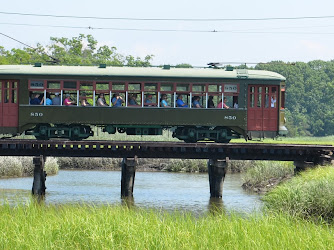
(236, 105)
(163, 101)
(148, 100)
(101, 101)
(35, 100)
(56, 99)
(211, 104)
(196, 103)
(220, 104)
(273, 101)
(84, 101)
(133, 100)
(68, 101)
(117, 100)
(48, 100)
(180, 103)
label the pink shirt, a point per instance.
(67, 101)
(219, 106)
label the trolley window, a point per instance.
(53, 84)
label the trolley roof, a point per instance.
(138, 72)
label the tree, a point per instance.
(80, 50)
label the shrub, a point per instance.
(187, 165)
(51, 166)
(23, 166)
(89, 163)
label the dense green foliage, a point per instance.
(309, 96)
(309, 195)
(106, 227)
(81, 50)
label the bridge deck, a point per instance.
(140, 149)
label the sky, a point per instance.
(183, 40)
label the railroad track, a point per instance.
(164, 149)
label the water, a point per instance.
(156, 190)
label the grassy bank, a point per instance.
(89, 227)
(262, 176)
(309, 195)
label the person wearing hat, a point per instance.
(148, 100)
(68, 101)
(56, 99)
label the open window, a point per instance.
(150, 95)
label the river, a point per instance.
(156, 190)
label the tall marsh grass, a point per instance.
(23, 166)
(264, 170)
(89, 227)
(309, 195)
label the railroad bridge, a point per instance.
(217, 154)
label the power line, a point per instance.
(18, 41)
(169, 19)
(249, 31)
(54, 60)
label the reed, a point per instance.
(309, 195)
(113, 227)
(267, 173)
(23, 166)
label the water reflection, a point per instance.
(128, 202)
(216, 206)
(152, 190)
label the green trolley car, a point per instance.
(66, 101)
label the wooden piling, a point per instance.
(38, 186)
(128, 176)
(302, 165)
(217, 171)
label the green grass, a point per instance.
(107, 227)
(309, 195)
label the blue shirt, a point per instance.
(180, 103)
(195, 103)
(48, 101)
(118, 102)
(133, 102)
(35, 101)
(164, 103)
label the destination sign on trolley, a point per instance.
(36, 84)
(230, 88)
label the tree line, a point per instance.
(309, 96)
(309, 86)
